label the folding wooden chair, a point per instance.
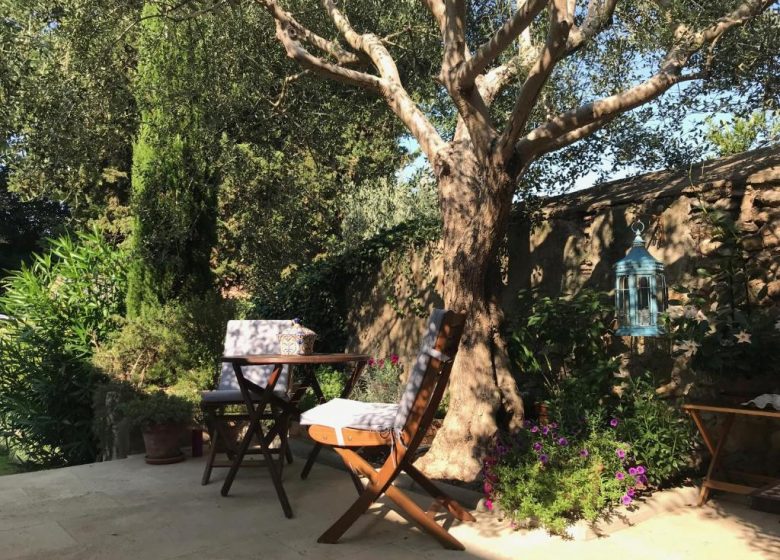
(346, 425)
(244, 337)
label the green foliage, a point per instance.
(331, 382)
(318, 292)
(559, 343)
(720, 325)
(661, 435)
(157, 409)
(380, 381)
(175, 347)
(60, 308)
(174, 190)
(385, 203)
(555, 477)
(742, 134)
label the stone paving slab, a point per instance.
(128, 509)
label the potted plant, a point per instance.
(162, 419)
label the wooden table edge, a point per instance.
(294, 359)
(769, 413)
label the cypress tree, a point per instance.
(173, 188)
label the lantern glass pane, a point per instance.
(643, 300)
(621, 296)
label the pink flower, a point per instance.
(381, 362)
(537, 446)
(640, 470)
(394, 359)
(371, 361)
(626, 499)
(489, 504)
(631, 491)
(621, 454)
(487, 488)
(620, 475)
(614, 422)
(632, 471)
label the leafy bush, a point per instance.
(331, 382)
(380, 381)
(558, 345)
(586, 459)
(174, 346)
(553, 477)
(61, 306)
(661, 435)
(318, 293)
(158, 409)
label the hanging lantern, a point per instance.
(640, 290)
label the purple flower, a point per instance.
(528, 424)
(620, 475)
(640, 470)
(631, 491)
(614, 422)
(487, 488)
(632, 471)
(563, 441)
(543, 458)
(641, 479)
(553, 425)
(620, 453)
(537, 447)
(502, 449)
(545, 430)
(584, 453)
(534, 429)
(626, 499)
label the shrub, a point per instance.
(331, 382)
(61, 306)
(558, 344)
(380, 381)
(555, 477)
(157, 409)
(174, 346)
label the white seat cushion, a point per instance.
(344, 413)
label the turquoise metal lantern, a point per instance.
(640, 290)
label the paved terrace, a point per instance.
(127, 509)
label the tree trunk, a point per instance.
(475, 202)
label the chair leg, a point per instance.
(425, 483)
(210, 461)
(382, 482)
(368, 496)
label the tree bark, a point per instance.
(475, 201)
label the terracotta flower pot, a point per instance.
(162, 444)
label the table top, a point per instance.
(748, 411)
(294, 359)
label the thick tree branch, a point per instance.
(598, 18)
(301, 33)
(554, 49)
(498, 43)
(288, 37)
(575, 124)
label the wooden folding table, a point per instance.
(716, 448)
(280, 409)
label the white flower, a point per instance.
(687, 347)
(700, 316)
(713, 329)
(743, 337)
(690, 312)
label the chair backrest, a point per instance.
(252, 337)
(430, 373)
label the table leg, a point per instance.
(716, 457)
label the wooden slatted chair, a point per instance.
(346, 425)
(243, 337)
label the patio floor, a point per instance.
(127, 509)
